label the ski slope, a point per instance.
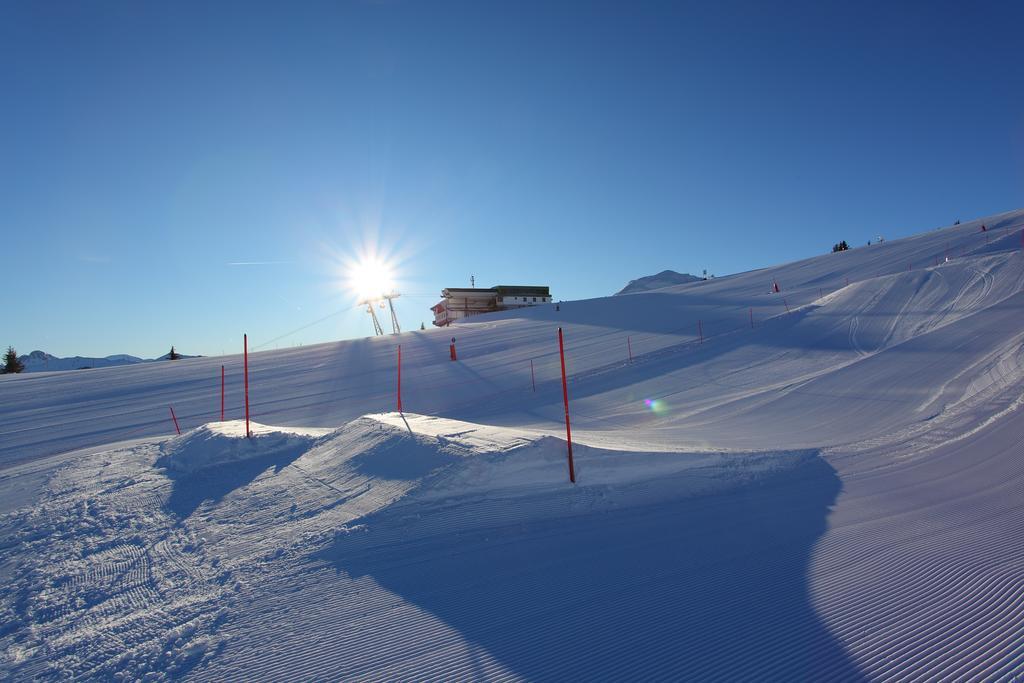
(817, 484)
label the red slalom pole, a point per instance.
(245, 357)
(629, 349)
(787, 305)
(751, 317)
(222, 393)
(399, 378)
(533, 381)
(565, 399)
(176, 427)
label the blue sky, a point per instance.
(146, 147)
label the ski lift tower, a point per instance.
(395, 329)
(377, 329)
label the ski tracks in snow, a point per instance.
(921, 574)
(108, 584)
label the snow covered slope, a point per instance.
(815, 484)
(898, 311)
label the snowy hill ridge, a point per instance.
(666, 278)
(40, 361)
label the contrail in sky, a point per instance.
(257, 263)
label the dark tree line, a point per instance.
(11, 362)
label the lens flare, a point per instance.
(656, 405)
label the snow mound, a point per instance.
(386, 457)
(420, 464)
(219, 443)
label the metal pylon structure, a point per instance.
(377, 329)
(369, 302)
(395, 328)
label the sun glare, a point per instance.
(370, 278)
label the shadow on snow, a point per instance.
(699, 588)
(190, 490)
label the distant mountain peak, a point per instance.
(666, 278)
(40, 361)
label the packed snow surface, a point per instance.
(820, 483)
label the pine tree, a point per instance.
(173, 355)
(11, 362)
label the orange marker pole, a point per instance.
(245, 356)
(565, 399)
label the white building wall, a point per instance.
(519, 301)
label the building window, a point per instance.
(535, 299)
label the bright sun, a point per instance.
(370, 278)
